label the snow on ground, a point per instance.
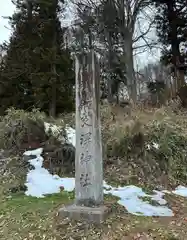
(131, 199)
(40, 183)
(57, 130)
(71, 135)
(181, 191)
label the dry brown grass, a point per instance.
(125, 144)
(25, 218)
(144, 115)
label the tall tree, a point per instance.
(38, 66)
(172, 28)
(115, 25)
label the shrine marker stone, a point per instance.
(88, 162)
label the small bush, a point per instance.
(19, 127)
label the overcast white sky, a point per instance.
(7, 9)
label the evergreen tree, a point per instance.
(38, 70)
(171, 29)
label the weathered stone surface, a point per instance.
(92, 215)
(88, 160)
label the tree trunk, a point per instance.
(131, 79)
(180, 73)
(174, 44)
(109, 79)
(29, 11)
(52, 104)
(109, 90)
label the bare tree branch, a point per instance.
(143, 34)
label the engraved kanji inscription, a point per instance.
(85, 180)
(85, 116)
(84, 158)
(85, 139)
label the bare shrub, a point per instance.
(19, 127)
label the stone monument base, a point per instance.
(90, 214)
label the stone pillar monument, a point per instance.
(88, 162)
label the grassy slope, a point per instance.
(23, 217)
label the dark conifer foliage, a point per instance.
(37, 70)
(172, 30)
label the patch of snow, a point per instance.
(51, 127)
(57, 132)
(159, 197)
(71, 135)
(36, 162)
(155, 145)
(37, 152)
(148, 146)
(166, 191)
(40, 183)
(131, 199)
(181, 191)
